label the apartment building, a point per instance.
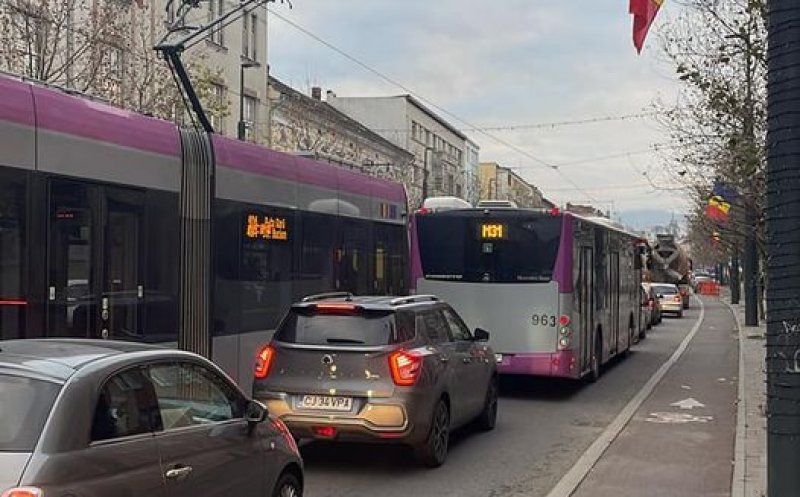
(439, 148)
(502, 183)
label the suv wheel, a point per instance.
(287, 486)
(433, 451)
(488, 417)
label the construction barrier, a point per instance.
(708, 288)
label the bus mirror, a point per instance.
(481, 335)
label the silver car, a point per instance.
(378, 369)
(91, 418)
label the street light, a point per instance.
(245, 64)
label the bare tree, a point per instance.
(103, 48)
(718, 48)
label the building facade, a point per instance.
(502, 183)
(307, 125)
(105, 50)
(440, 164)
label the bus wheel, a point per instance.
(594, 375)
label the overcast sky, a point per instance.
(504, 63)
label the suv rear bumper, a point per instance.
(375, 422)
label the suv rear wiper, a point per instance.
(346, 340)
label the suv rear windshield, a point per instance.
(366, 328)
(25, 405)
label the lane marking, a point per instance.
(572, 480)
(676, 418)
(689, 403)
(739, 478)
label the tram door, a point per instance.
(586, 304)
(95, 261)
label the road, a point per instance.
(543, 429)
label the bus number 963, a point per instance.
(543, 320)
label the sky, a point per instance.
(505, 64)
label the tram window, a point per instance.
(227, 249)
(12, 253)
(318, 252)
(266, 266)
(162, 236)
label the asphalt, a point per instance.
(545, 426)
(680, 442)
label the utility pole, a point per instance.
(783, 249)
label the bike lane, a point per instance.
(680, 442)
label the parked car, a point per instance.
(669, 297)
(378, 369)
(654, 303)
(95, 417)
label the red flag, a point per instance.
(644, 12)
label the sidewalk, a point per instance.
(681, 441)
(750, 469)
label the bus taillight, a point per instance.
(564, 333)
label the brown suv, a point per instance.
(389, 369)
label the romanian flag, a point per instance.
(719, 205)
(644, 12)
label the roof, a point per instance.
(367, 302)
(60, 358)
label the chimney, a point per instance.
(330, 94)
(316, 93)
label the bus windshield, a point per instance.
(503, 247)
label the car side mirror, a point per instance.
(661, 296)
(481, 335)
(255, 412)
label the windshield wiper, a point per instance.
(346, 340)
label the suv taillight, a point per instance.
(405, 367)
(23, 492)
(264, 362)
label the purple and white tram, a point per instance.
(90, 228)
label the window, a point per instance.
(368, 328)
(250, 36)
(457, 326)
(216, 8)
(12, 253)
(190, 394)
(435, 326)
(126, 406)
(250, 104)
(218, 103)
(24, 410)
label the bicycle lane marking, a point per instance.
(573, 478)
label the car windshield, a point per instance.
(371, 328)
(26, 403)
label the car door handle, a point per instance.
(178, 473)
(466, 360)
(444, 358)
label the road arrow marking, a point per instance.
(689, 403)
(676, 418)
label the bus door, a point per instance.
(586, 304)
(614, 286)
(95, 261)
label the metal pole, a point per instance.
(750, 266)
(783, 249)
(241, 127)
(736, 285)
(425, 174)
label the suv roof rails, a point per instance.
(413, 299)
(328, 295)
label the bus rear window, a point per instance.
(472, 247)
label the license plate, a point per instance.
(325, 403)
